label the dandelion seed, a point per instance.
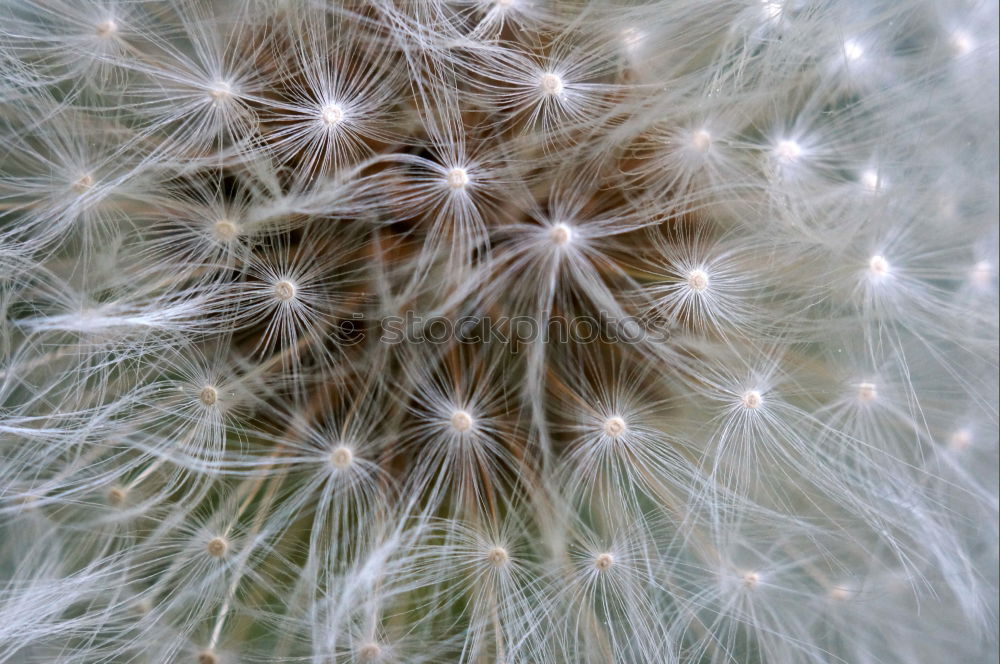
(697, 280)
(752, 399)
(209, 395)
(961, 43)
(369, 652)
(615, 426)
(461, 421)
(840, 593)
(878, 266)
(106, 28)
(220, 92)
(551, 84)
(701, 141)
(116, 496)
(225, 230)
(751, 580)
(208, 657)
(981, 274)
(457, 178)
(871, 182)
(217, 547)
(788, 151)
(561, 234)
(85, 182)
(853, 50)
(960, 440)
(342, 458)
(331, 115)
(285, 290)
(498, 556)
(867, 392)
(603, 562)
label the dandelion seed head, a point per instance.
(83, 183)
(208, 657)
(220, 92)
(981, 274)
(342, 457)
(701, 141)
(867, 392)
(498, 557)
(461, 421)
(961, 43)
(285, 290)
(457, 178)
(788, 151)
(751, 580)
(106, 28)
(603, 562)
(561, 234)
(369, 652)
(217, 547)
(752, 399)
(853, 50)
(615, 426)
(697, 280)
(840, 592)
(550, 84)
(331, 115)
(960, 440)
(209, 395)
(116, 496)
(225, 230)
(871, 182)
(878, 266)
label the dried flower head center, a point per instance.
(701, 141)
(697, 280)
(498, 556)
(550, 84)
(208, 395)
(225, 229)
(342, 457)
(561, 234)
(285, 290)
(461, 421)
(752, 399)
(615, 426)
(217, 547)
(457, 178)
(878, 266)
(603, 562)
(331, 115)
(867, 392)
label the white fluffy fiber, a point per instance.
(273, 278)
